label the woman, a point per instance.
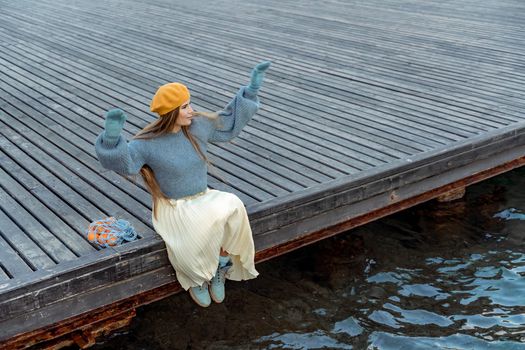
(207, 232)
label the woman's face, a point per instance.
(185, 114)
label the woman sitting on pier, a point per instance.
(207, 232)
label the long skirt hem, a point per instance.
(195, 228)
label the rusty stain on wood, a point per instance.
(452, 195)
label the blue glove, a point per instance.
(257, 77)
(115, 119)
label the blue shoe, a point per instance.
(201, 295)
(217, 291)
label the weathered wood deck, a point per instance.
(369, 107)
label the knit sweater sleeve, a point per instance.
(234, 117)
(126, 158)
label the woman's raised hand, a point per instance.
(258, 76)
(115, 119)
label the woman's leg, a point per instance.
(217, 291)
(223, 252)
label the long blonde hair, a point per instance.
(162, 126)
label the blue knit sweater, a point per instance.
(178, 168)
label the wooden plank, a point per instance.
(37, 232)
(94, 299)
(398, 205)
(297, 125)
(382, 138)
(11, 261)
(377, 86)
(43, 279)
(289, 153)
(107, 270)
(32, 254)
(273, 189)
(329, 154)
(355, 160)
(257, 175)
(80, 67)
(91, 73)
(61, 329)
(269, 168)
(262, 180)
(55, 119)
(369, 25)
(63, 219)
(299, 166)
(57, 134)
(58, 139)
(329, 166)
(355, 18)
(362, 208)
(247, 187)
(339, 184)
(3, 274)
(377, 92)
(220, 185)
(359, 152)
(67, 97)
(476, 19)
(416, 91)
(179, 65)
(312, 201)
(69, 186)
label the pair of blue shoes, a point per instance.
(213, 289)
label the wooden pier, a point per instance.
(369, 107)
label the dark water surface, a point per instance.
(437, 276)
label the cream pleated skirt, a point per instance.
(195, 228)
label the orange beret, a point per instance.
(168, 97)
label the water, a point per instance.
(437, 276)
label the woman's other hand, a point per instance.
(115, 119)
(257, 76)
